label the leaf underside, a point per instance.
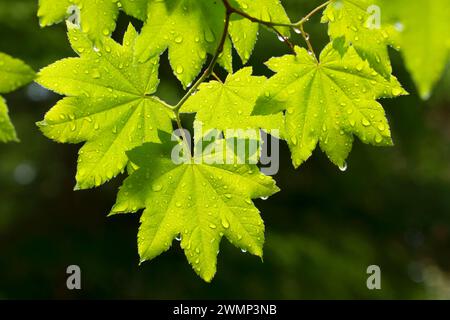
(195, 202)
(327, 102)
(109, 105)
(217, 104)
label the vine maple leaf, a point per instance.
(244, 33)
(218, 104)
(356, 23)
(423, 34)
(13, 74)
(197, 202)
(327, 102)
(189, 30)
(135, 8)
(97, 18)
(110, 105)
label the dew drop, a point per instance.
(156, 187)
(399, 27)
(96, 74)
(180, 69)
(396, 92)
(294, 140)
(225, 223)
(378, 139)
(365, 122)
(343, 167)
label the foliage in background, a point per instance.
(422, 29)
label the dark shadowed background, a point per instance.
(390, 208)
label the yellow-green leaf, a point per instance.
(196, 203)
(110, 105)
(327, 102)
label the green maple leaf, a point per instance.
(423, 32)
(198, 202)
(352, 23)
(328, 102)
(13, 74)
(97, 17)
(189, 30)
(135, 8)
(218, 104)
(244, 33)
(7, 131)
(109, 105)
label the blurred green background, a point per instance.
(390, 208)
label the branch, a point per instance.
(309, 15)
(306, 38)
(253, 19)
(298, 27)
(270, 25)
